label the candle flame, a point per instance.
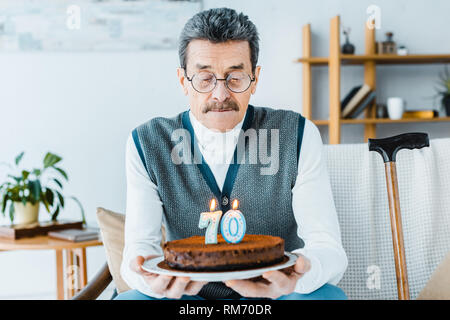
(212, 204)
(235, 204)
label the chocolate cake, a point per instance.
(194, 255)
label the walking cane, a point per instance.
(388, 148)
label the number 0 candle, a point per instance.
(210, 220)
(233, 224)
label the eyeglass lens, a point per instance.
(235, 81)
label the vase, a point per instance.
(347, 47)
(446, 104)
(26, 214)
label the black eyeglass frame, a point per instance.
(226, 82)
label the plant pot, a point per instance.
(26, 214)
(446, 104)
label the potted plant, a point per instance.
(24, 190)
(444, 90)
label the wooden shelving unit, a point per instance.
(369, 61)
(350, 59)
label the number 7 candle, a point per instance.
(210, 220)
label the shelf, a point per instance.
(314, 60)
(350, 59)
(396, 59)
(369, 60)
(379, 121)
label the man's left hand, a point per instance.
(277, 283)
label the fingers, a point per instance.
(287, 271)
(302, 265)
(194, 287)
(160, 283)
(177, 287)
(278, 278)
(282, 283)
(275, 285)
(136, 265)
(169, 286)
(248, 288)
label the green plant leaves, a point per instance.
(14, 192)
(51, 159)
(55, 214)
(49, 196)
(4, 202)
(11, 212)
(19, 157)
(25, 174)
(58, 183)
(62, 172)
(22, 189)
(35, 188)
(17, 179)
(60, 198)
(43, 199)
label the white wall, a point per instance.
(82, 106)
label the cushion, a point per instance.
(112, 229)
(438, 286)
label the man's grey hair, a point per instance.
(219, 25)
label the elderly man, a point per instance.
(292, 199)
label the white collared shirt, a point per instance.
(312, 203)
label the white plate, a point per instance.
(152, 266)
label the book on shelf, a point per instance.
(349, 96)
(421, 114)
(360, 108)
(356, 99)
(76, 235)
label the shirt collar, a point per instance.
(206, 136)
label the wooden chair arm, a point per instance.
(96, 286)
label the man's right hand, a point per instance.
(168, 286)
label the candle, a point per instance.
(233, 224)
(210, 221)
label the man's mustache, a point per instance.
(218, 106)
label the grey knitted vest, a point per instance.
(186, 188)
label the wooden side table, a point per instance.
(71, 276)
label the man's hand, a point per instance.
(168, 286)
(274, 283)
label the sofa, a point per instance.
(358, 183)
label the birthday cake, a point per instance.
(194, 255)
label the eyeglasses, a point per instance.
(236, 81)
